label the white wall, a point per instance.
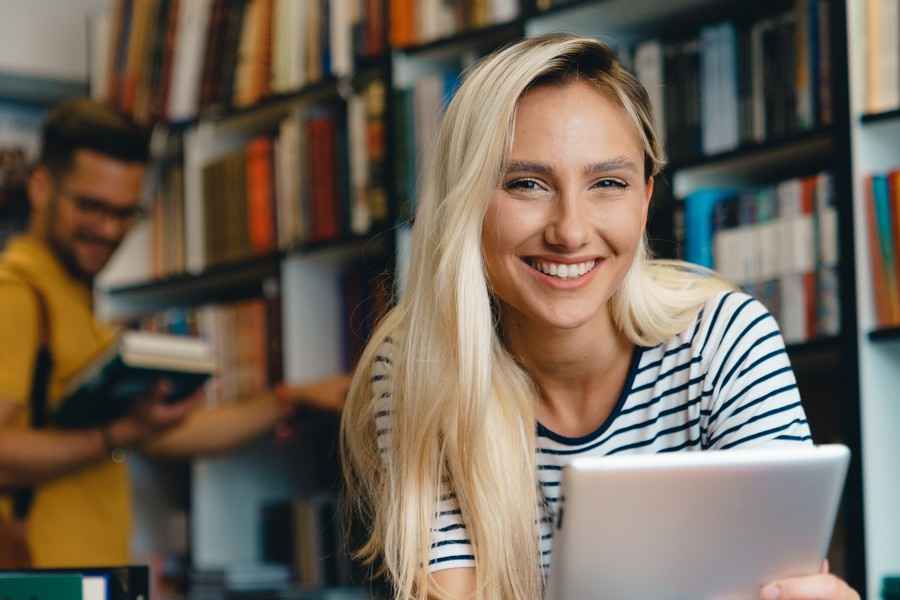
(46, 37)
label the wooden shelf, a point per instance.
(492, 35)
(330, 86)
(800, 142)
(889, 115)
(39, 91)
(224, 282)
(830, 343)
(885, 334)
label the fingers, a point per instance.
(814, 587)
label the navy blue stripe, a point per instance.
(446, 497)
(659, 434)
(668, 392)
(661, 376)
(763, 359)
(549, 468)
(679, 447)
(666, 354)
(449, 542)
(383, 413)
(453, 527)
(641, 425)
(737, 396)
(384, 395)
(434, 561)
(763, 398)
(740, 361)
(765, 433)
(794, 438)
(717, 438)
(737, 340)
(550, 483)
(445, 513)
(712, 322)
(380, 358)
(547, 536)
(677, 349)
(377, 378)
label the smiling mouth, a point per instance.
(560, 270)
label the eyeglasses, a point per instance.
(94, 208)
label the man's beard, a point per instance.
(64, 251)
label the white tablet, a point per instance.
(692, 525)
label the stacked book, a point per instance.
(883, 221)
(420, 21)
(779, 243)
(245, 341)
(882, 55)
(319, 177)
(736, 84)
(418, 111)
(167, 60)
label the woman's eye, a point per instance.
(611, 184)
(525, 185)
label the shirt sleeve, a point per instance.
(18, 341)
(450, 545)
(750, 396)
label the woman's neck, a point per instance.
(579, 372)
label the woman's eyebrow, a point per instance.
(515, 166)
(619, 163)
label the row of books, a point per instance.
(883, 221)
(167, 60)
(319, 177)
(418, 112)
(882, 55)
(778, 243)
(420, 21)
(307, 534)
(245, 339)
(736, 84)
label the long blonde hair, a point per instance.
(462, 410)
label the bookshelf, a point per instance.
(843, 377)
(874, 150)
(880, 117)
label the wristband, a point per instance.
(115, 453)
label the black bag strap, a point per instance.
(40, 383)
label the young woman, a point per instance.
(536, 328)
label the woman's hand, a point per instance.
(328, 393)
(823, 586)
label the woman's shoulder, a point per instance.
(725, 319)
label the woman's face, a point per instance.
(563, 226)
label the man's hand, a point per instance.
(823, 586)
(328, 393)
(151, 416)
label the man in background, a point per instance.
(85, 195)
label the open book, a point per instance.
(129, 368)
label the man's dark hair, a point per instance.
(85, 124)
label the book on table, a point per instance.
(85, 583)
(127, 370)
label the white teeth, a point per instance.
(563, 271)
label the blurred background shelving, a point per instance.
(786, 151)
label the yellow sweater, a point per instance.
(84, 518)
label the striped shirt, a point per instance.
(725, 382)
